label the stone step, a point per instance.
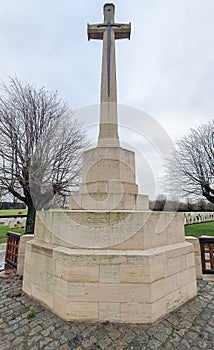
(208, 277)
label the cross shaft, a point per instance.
(109, 31)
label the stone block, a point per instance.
(147, 273)
(21, 253)
(177, 298)
(75, 311)
(158, 309)
(75, 201)
(70, 256)
(48, 282)
(157, 269)
(175, 265)
(186, 276)
(175, 228)
(104, 201)
(197, 254)
(89, 256)
(28, 252)
(192, 286)
(35, 264)
(34, 275)
(107, 163)
(118, 292)
(151, 230)
(27, 286)
(42, 294)
(179, 249)
(163, 287)
(108, 187)
(109, 312)
(77, 272)
(43, 224)
(67, 290)
(43, 249)
(134, 273)
(22, 242)
(142, 202)
(136, 313)
(110, 273)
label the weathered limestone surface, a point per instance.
(108, 181)
(110, 265)
(133, 266)
(22, 243)
(109, 201)
(197, 254)
(117, 285)
(107, 163)
(116, 229)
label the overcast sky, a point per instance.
(166, 69)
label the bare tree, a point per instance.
(159, 203)
(40, 146)
(190, 171)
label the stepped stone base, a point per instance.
(108, 181)
(131, 286)
(108, 163)
(118, 266)
(109, 201)
(124, 229)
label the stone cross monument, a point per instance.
(108, 180)
(109, 31)
(109, 258)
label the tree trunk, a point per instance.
(30, 222)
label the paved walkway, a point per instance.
(24, 324)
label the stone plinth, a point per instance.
(103, 229)
(135, 266)
(107, 164)
(109, 201)
(115, 285)
(108, 181)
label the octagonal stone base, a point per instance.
(136, 286)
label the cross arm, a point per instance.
(122, 31)
(95, 31)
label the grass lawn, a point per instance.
(13, 212)
(197, 230)
(5, 229)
